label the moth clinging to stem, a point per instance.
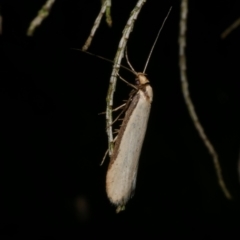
(122, 170)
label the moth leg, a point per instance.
(115, 109)
(133, 86)
(116, 131)
(105, 155)
(129, 64)
(125, 106)
(124, 109)
(117, 118)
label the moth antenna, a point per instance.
(149, 55)
(108, 60)
(130, 65)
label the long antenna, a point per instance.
(149, 56)
(108, 60)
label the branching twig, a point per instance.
(106, 6)
(230, 28)
(187, 98)
(117, 61)
(42, 14)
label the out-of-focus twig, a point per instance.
(1, 20)
(106, 6)
(117, 61)
(42, 14)
(230, 28)
(108, 13)
(188, 100)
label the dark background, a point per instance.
(53, 139)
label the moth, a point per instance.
(122, 170)
(123, 166)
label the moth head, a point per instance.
(141, 79)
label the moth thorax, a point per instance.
(141, 78)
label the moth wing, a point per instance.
(122, 172)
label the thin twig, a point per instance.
(42, 14)
(230, 28)
(117, 61)
(187, 98)
(106, 4)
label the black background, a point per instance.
(53, 138)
